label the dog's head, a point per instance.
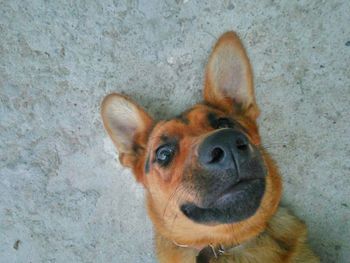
(207, 177)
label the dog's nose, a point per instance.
(224, 149)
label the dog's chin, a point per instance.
(237, 203)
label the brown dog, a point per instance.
(212, 191)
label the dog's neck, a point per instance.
(284, 232)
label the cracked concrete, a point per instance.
(63, 195)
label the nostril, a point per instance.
(186, 209)
(217, 154)
(242, 144)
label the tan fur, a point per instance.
(282, 241)
(270, 235)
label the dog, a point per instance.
(212, 191)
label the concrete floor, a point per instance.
(65, 198)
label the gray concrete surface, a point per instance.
(63, 195)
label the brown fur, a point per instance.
(271, 234)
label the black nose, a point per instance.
(224, 149)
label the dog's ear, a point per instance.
(229, 79)
(128, 125)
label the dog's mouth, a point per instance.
(227, 196)
(238, 202)
(237, 191)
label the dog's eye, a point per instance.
(223, 123)
(164, 154)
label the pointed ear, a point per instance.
(128, 125)
(229, 79)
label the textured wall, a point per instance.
(65, 198)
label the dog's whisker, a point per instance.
(170, 198)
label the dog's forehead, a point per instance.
(199, 112)
(192, 120)
(196, 121)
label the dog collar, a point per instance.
(213, 252)
(209, 252)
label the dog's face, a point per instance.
(206, 175)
